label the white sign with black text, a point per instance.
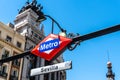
(52, 68)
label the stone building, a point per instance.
(11, 43)
(26, 25)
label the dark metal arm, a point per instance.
(74, 40)
(15, 57)
(96, 34)
(56, 23)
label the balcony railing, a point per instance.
(4, 56)
(16, 63)
(3, 74)
(12, 77)
(10, 43)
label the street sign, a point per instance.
(52, 46)
(51, 68)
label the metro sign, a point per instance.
(52, 46)
(48, 45)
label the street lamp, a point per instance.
(63, 32)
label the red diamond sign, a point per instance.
(52, 46)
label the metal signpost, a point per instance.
(51, 68)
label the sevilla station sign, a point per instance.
(52, 46)
(51, 68)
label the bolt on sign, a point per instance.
(51, 68)
(52, 46)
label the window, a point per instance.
(16, 62)
(18, 44)
(36, 35)
(52, 76)
(3, 71)
(32, 34)
(5, 54)
(46, 76)
(47, 63)
(30, 65)
(40, 38)
(8, 39)
(0, 34)
(57, 74)
(14, 75)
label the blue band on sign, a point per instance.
(48, 45)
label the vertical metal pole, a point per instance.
(52, 26)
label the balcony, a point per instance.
(16, 63)
(10, 43)
(3, 74)
(13, 77)
(34, 39)
(4, 56)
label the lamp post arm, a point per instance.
(15, 57)
(96, 34)
(56, 23)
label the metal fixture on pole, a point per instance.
(63, 31)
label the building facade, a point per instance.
(11, 43)
(27, 32)
(26, 25)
